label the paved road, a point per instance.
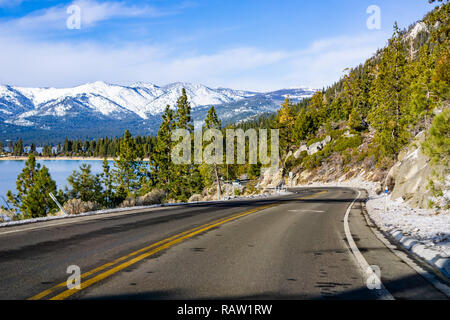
(284, 247)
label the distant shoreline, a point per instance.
(56, 158)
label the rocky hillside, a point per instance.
(94, 110)
(386, 121)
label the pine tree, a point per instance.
(18, 148)
(34, 185)
(354, 120)
(187, 176)
(84, 185)
(127, 167)
(389, 99)
(286, 121)
(47, 151)
(212, 122)
(108, 197)
(437, 143)
(161, 162)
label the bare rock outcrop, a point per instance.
(409, 177)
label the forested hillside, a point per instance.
(375, 110)
(362, 124)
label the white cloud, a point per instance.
(10, 3)
(61, 64)
(92, 12)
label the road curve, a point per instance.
(283, 247)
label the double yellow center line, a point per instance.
(138, 255)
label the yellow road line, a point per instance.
(109, 264)
(160, 245)
(312, 195)
(124, 265)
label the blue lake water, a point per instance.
(59, 170)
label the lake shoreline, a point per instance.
(22, 158)
(52, 158)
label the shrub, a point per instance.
(291, 162)
(77, 206)
(437, 143)
(195, 198)
(344, 143)
(7, 215)
(156, 196)
(250, 188)
(312, 161)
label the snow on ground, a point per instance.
(423, 225)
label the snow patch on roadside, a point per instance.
(424, 225)
(421, 231)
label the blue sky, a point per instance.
(254, 44)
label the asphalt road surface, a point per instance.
(284, 247)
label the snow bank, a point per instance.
(422, 231)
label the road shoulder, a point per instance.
(400, 279)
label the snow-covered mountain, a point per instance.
(98, 108)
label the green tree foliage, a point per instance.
(162, 166)
(187, 177)
(210, 172)
(128, 168)
(34, 185)
(84, 185)
(106, 178)
(389, 98)
(47, 151)
(355, 120)
(286, 121)
(437, 143)
(18, 149)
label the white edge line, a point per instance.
(429, 276)
(365, 267)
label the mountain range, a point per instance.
(98, 109)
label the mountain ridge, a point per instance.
(138, 106)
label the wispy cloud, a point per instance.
(60, 64)
(10, 3)
(92, 12)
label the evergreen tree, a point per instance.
(355, 121)
(389, 99)
(47, 151)
(34, 185)
(211, 122)
(18, 148)
(187, 178)
(84, 185)
(127, 168)
(161, 162)
(108, 196)
(437, 144)
(286, 121)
